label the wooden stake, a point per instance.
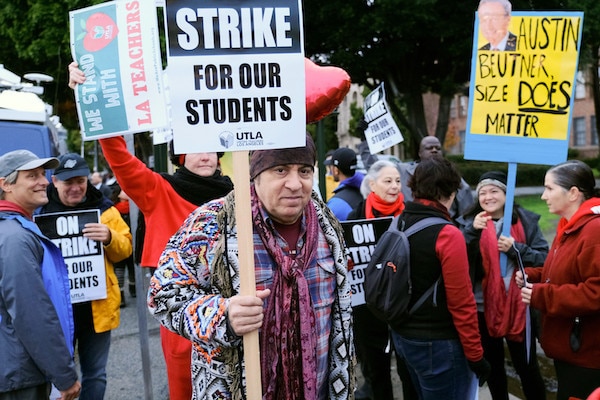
(243, 219)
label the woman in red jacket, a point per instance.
(567, 289)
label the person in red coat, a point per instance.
(166, 201)
(567, 289)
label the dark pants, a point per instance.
(438, 367)
(40, 392)
(529, 373)
(409, 392)
(574, 381)
(93, 351)
(120, 268)
(371, 338)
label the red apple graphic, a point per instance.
(99, 31)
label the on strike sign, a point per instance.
(84, 257)
(361, 238)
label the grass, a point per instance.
(548, 221)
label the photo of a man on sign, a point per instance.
(494, 16)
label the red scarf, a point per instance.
(589, 206)
(383, 208)
(288, 336)
(6, 205)
(504, 312)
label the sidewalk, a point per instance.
(125, 372)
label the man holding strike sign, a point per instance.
(302, 303)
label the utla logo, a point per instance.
(98, 31)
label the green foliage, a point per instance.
(74, 146)
(572, 153)
(548, 221)
(357, 114)
(34, 37)
(527, 174)
(329, 126)
(412, 46)
(594, 163)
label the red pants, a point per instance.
(178, 357)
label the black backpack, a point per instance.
(387, 285)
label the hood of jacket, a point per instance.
(93, 199)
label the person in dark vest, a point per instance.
(440, 342)
(346, 197)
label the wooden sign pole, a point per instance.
(243, 219)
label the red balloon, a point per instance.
(326, 87)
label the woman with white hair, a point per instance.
(383, 198)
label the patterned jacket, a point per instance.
(189, 294)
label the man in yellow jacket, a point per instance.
(71, 190)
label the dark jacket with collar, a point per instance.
(533, 251)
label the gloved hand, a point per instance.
(482, 370)
(362, 124)
(360, 128)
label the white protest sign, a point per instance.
(236, 75)
(361, 237)
(116, 45)
(84, 257)
(382, 131)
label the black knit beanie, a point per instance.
(496, 178)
